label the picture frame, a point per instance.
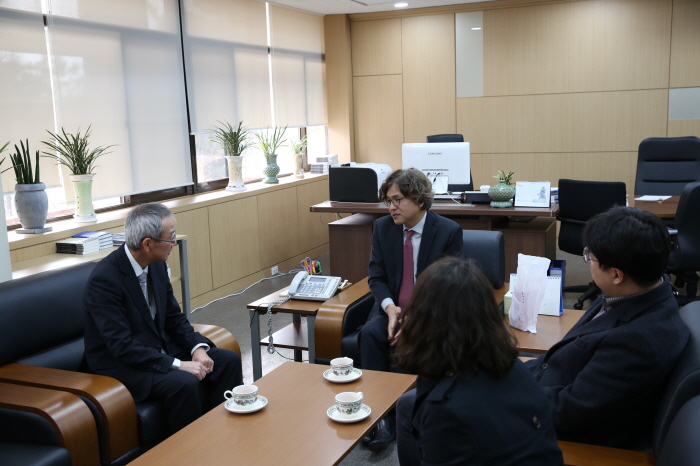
(533, 194)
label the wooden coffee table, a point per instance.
(293, 429)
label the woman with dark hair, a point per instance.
(475, 402)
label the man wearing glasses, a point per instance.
(404, 243)
(605, 378)
(136, 333)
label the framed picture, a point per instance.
(532, 193)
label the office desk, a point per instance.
(663, 209)
(550, 330)
(527, 230)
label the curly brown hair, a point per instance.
(452, 323)
(412, 183)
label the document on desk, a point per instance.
(652, 198)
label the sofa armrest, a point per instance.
(110, 397)
(329, 319)
(68, 414)
(580, 454)
(221, 337)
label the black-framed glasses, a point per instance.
(396, 201)
(171, 241)
(586, 257)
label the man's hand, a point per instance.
(394, 314)
(194, 367)
(200, 355)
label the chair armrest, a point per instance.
(329, 319)
(221, 337)
(69, 415)
(580, 454)
(112, 399)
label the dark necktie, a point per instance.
(407, 276)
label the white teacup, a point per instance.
(348, 403)
(341, 366)
(243, 395)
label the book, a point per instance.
(105, 238)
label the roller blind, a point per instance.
(297, 44)
(118, 68)
(227, 62)
(25, 93)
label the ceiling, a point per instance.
(332, 7)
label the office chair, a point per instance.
(453, 138)
(684, 261)
(666, 165)
(579, 201)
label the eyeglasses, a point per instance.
(396, 201)
(586, 257)
(171, 241)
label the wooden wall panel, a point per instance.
(595, 45)
(685, 44)
(278, 226)
(428, 49)
(312, 232)
(341, 131)
(234, 240)
(376, 47)
(587, 122)
(378, 119)
(195, 224)
(595, 166)
(678, 128)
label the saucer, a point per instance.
(358, 416)
(259, 404)
(353, 375)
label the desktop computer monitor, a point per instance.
(446, 164)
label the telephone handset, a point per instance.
(313, 287)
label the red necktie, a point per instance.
(407, 277)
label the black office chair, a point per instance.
(453, 138)
(684, 261)
(682, 447)
(579, 201)
(666, 165)
(486, 248)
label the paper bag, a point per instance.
(528, 293)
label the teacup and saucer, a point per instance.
(244, 399)
(348, 408)
(342, 371)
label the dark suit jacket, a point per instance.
(121, 338)
(441, 237)
(606, 376)
(473, 418)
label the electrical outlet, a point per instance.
(275, 270)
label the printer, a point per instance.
(356, 182)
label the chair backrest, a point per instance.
(43, 318)
(445, 138)
(686, 247)
(666, 165)
(487, 249)
(681, 447)
(684, 382)
(581, 200)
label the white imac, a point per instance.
(446, 164)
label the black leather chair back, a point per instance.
(43, 318)
(487, 249)
(684, 382)
(686, 247)
(581, 200)
(666, 165)
(681, 447)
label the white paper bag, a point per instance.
(529, 292)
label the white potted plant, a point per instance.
(31, 201)
(72, 151)
(234, 142)
(299, 148)
(269, 142)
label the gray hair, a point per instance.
(145, 221)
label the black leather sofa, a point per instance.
(41, 346)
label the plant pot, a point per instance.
(501, 194)
(235, 173)
(271, 169)
(32, 205)
(82, 185)
(298, 166)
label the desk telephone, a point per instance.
(313, 287)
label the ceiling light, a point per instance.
(401, 5)
(476, 29)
